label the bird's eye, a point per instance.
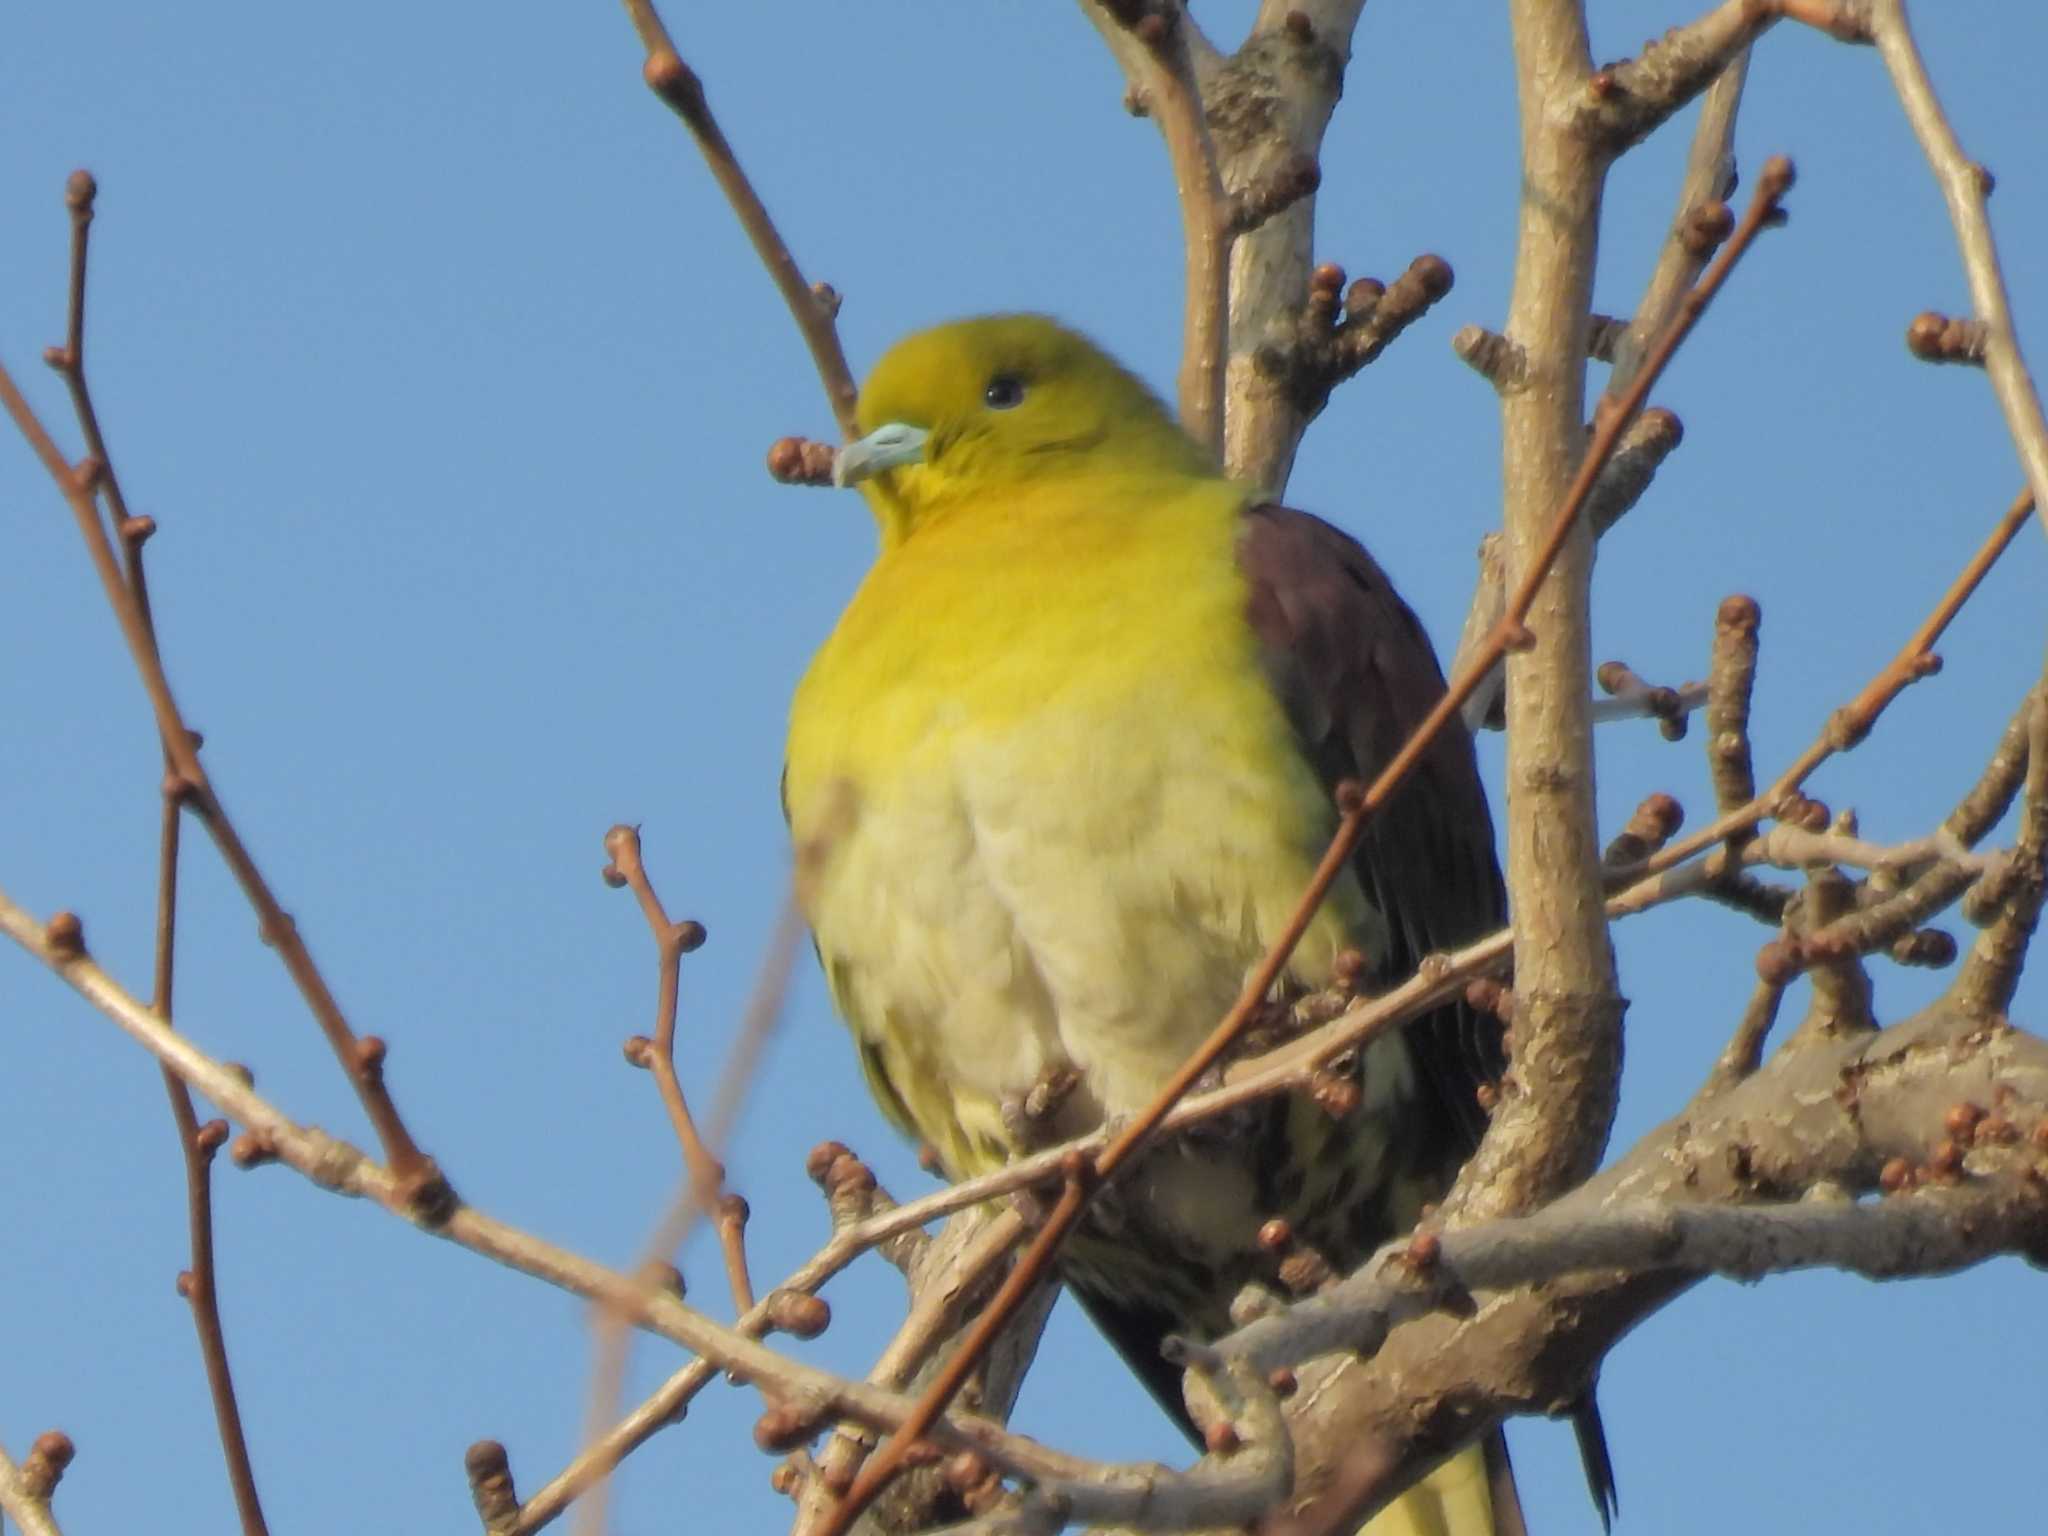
(1005, 392)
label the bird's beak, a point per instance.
(888, 446)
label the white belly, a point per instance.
(995, 914)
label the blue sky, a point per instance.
(429, 343)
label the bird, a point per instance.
(1061, 773)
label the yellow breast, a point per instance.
(1061, 811)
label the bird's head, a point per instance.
(959, 414)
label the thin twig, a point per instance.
(1644, 447)
(938, 1300)
(341, 1168)
(1174, 99)
(672, 941)
(704, 1175)
(701, 1192)
(1745, 1049)
(361, 1058)
(1985, 803)
(1279, 89)
(1965, 186)
(25, 1490)
(197, 1145)
(1991, 975)
(1709, 179)
(1851, 723)
(678, 86)
(1622, 104)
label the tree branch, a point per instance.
(25, 1490)
(1623, 104)
(1829, 1117)
(1965, 186)
(813, 309)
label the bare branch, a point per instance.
(342, 1169)
(1569, 1011)
(1649, 440)
(1708, 181)
(1991, 975)
(1927, 1234)
(1209, 221)
(1850, 724)
(1622, 104)
(678, 86)
(954, 1272)
(1830, 1119)
(1992, 795)
(701, 1191)
(1267, 107)
(197, 1144)
(25, 1490)
(491, 1488)
(1630, 698)
(1965, 186)
(1744, 1052)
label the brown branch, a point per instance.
(1248, 1474)
(1965, 186)
(701, 1191)
(361, 1058)
(1623, 104)
(1850, 724)
(1267, 107)
(1731, 680)
(1567, 1031)
(1739, 892)
(1786, 846)
(1744, 1052)
(1547, 1135)
(1344, 328)
(1650, 440)
(1701, 223)
(340, 1168)
(704, 1175)
(672, 941)
(197, 1144)
(1210, 220)
(1840, 1117)
(1991, 975)
(1697, 227)
(491, 1487)
(1821, 937)
(683, 93)
(25, 1490)
(1934, 1233)
(1657, 818)
(1987, 801)
(667, 1404)
(953, 1273)
(1629, 698)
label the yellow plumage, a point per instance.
(1061, 811)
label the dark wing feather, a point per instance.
(1356, 673)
